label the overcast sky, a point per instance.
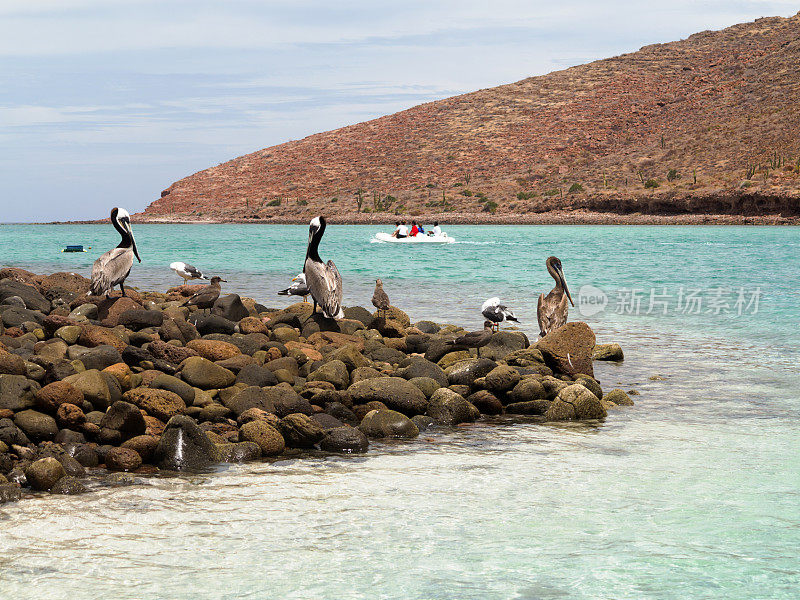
(107, 102)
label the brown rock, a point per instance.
(172, 354)
(252, 325)
(568, 349)
(265, 435)
(161, 404)
(123, 459)
(70, 416)
(213, 350)
(144, 445)
(11, 364)
(44, 473)
(53, 395)
(122, 373)
(92, 335)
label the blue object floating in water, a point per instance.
(74, 249)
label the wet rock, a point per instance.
(83, 453)
(70, 415)
(530, 407)
(250, 397)
(575, 402)
(527, 390)
(11, 364)
(10, 434)
(68, 436)
(93, 386)
(300, 431)
(326, 421)
(17, 392)
(448, 408)
(184, 446)
(486, 402)
(44, 473)
(423, 422)
(138, 318)
(239, 452)
(334, 372)
(395, 392)
(502, 379)
(618, 397)
(126, 418)
(419, 367)
(123, 459)
(591, 384)
(387, 423)
(267, 437)
(552, 386)
(342, 413)
(345, 440)
(9, 493)
(206, 324)
(426, 385)
(467, 371)
(287, 401)
(30, 295)
(608, 352)
(144, 445)
(37, 426)
(68, 486)
(202, 373)
(256, 375)
(161, 404)
(568, 349)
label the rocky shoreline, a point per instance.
(95, 387)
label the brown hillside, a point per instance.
(720, 108)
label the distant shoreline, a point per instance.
(549, 218)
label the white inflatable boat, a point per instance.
(382, 236)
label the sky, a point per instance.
(107, 102)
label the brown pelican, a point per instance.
(187, 271)
(496, 312)
(379, 299)
(474, 339)
(206, 297)
(324, 281)
(298, 287)
(112, 268)
(552, 309)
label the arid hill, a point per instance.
(709, 125)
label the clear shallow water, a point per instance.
(692, 493)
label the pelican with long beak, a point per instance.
(298, 287)
(323, 280)
(552, 309)
(112, 268)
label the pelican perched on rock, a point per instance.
(474, 339)
(552, 309)
(496, 312)
(298, 287)
(112, 268)
(187, 271)
(380, 299)
(324, 281)
(206, 297)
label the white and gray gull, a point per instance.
(112, 268)
(187, 271)
(323, 279)
(298, 287)
(494, 311)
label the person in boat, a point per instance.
(421, 229)
(396, 229)
(437, 231)
(414, 229)
(402, 231)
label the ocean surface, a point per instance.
(692, 493)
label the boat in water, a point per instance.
(75, 248)
(382, 236)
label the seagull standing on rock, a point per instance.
(187, 271)
(496, 312)
(474, 339)
(206, 297)
(298, 287)
(380, 299)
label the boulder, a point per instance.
(214, 349)
(334, 372)
(69, 416)
(11, 364)
(364, 373)
(300, 431)
(98, 357)
(502, 379)
(426, 385)
(345, 440)
(267, 437)
(590, 383)
(37, 426)
(17, 392)
(287, 401)
(184, 446)
(395, 392)
(204, 374)
(169, 353)
(350, 356)
(205, 324)
(110, 309)
(139, 318)
(568, 349)
(618, 397)
(358, 313)
(250, 397)
(575, 402)
(527, 390)
(254, 374)
(126, 418)
(423, 422)
(93, 335)
(15, 316)
(68, 333)
(466, 372)
(30, 295)
(385, 423)
(68, 486)
(230, 307)
(123, 459)
(449, 409)
(524, 358)
(608, 352)
(486, 402)
(172, 384)
(11, 435)
(239, 452)
(161, 404)
(252, 325)
(122, 373)
(504, 343)
(420, 367)
(93, 386)
(44, 473)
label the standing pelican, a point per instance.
(474, 339)
(495, 312)
(112, 268)
(379, 298)
(324, 281)
(298, 287)
(552, 309)
(206, 297)
(187, 271)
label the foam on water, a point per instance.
(694, 492)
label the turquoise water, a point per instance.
(694, 492)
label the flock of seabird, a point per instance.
(323, 283)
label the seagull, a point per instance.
(187, 271)
(112, 268)
(495, 312)
(324, 281)
(552, 309)
(379, 299)
(206, 297)
(474, 339)
(298, 287)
